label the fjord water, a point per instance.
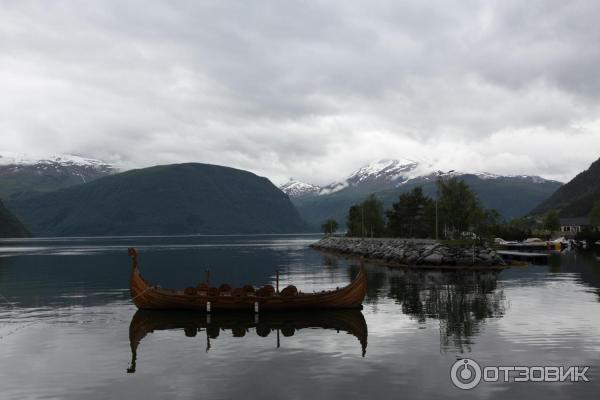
(66, 314)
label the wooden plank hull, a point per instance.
(148, 297)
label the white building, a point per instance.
(574, 225)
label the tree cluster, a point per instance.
(456, 212)
(330, 226)
(366, 219)
(413, 215)
(551, 221)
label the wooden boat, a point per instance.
(146, 296)
(286, 323)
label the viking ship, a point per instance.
(203, 297)
(240, 323)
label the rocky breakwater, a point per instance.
(411, 252)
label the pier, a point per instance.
(536, 258)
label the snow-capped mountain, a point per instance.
(389, 174)
(26, 174)
(9, 158)
(376, 175)
(433, 176)
(511, 195)
(529, 178)
(379, 175)
(294, 188)
(388, 170)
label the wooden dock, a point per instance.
(523, 256)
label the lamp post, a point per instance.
(436, 202)
(362, 209)
(436, 218)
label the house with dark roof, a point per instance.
(575, 225)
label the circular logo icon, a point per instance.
(465, 374)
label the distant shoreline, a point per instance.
(33, 238)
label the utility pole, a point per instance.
(437, 198)
(436, 219)
(362, 208)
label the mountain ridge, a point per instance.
(512, 195)
(23, 175)
(10, 226)
(189, 198)
(390, 173)
(575, 198)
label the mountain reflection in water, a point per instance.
(240, 323)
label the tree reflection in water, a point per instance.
(460, 300)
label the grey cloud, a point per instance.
(309, 90)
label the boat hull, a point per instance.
(148, 297)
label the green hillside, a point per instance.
(169, 199)
(10, 226)
(576, 198)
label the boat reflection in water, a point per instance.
(281, 323)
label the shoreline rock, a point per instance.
(411, 252)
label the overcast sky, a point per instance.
(310, 90)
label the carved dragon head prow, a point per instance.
(133, 254)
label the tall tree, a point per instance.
(330, 226)
(516, 229)
(552, 221)
(354, 221)
(374, 225)
(458, 207)
(413, 215)
(366, 219)
(521, 224)
(486, 223)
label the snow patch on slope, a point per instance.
(294, 188)
(9, 158)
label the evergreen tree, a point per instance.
(458, 207)
(413, 215)
(366, 219)
(517, 229)
(353, 221)
(486, 223)
(330, 226)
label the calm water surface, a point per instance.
(68, 329)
